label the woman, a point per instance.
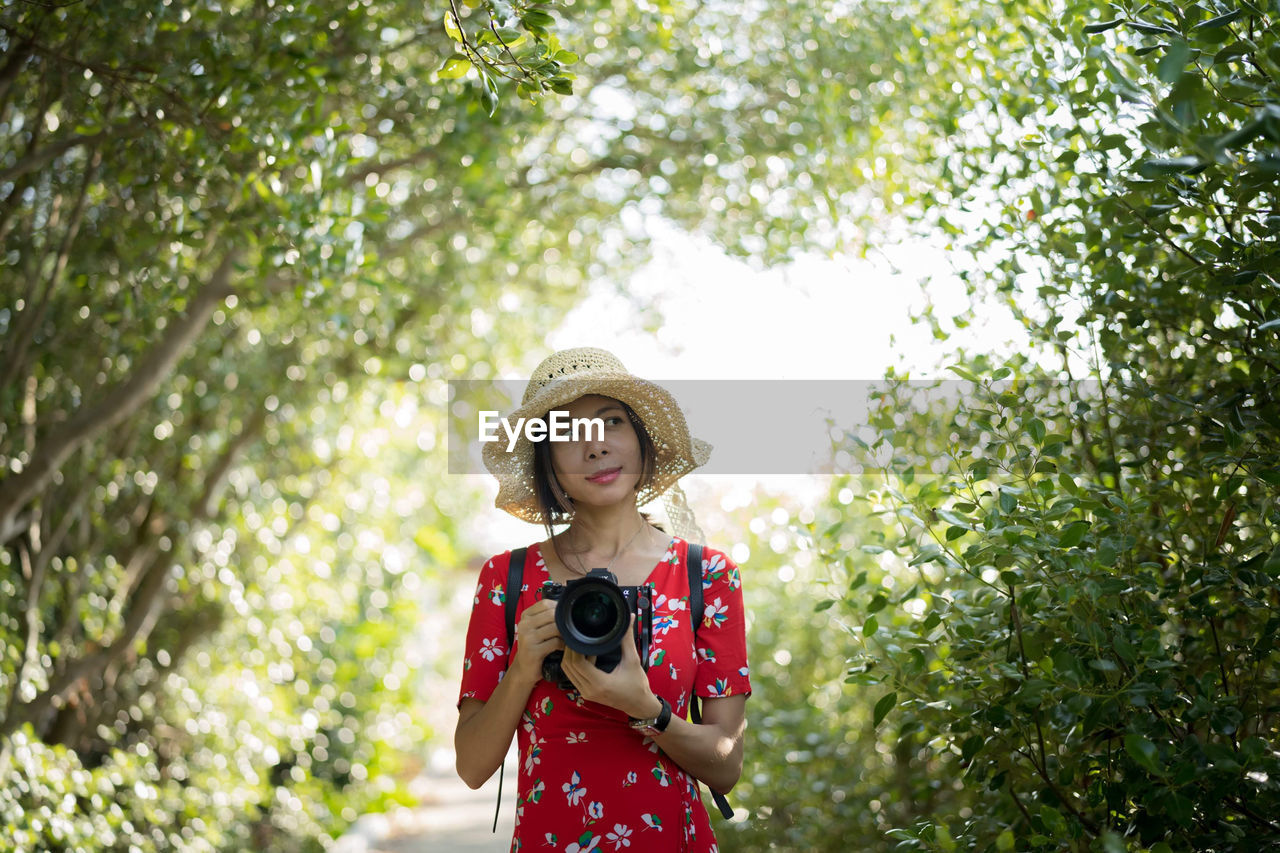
(611, 763)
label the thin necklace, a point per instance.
(582, 570)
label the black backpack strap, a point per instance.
(510, 600)
(693, 561)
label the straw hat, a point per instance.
(564, 377)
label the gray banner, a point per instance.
(755, 427)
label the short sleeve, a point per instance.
(721, 640)
(486, 650)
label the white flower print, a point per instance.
(620, 837)
(496, 594)
(576, 737)
(596, 810)
(652, 821)
(663, 624)
(630, 779)
(490, 649)
(533, 757)
(717, 613)
(672, 603)
(574, 792)
(586, 843)
(660, 773)
(711, 568)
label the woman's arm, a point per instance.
(710, 751)
(485, 729)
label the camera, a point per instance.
(593, 615)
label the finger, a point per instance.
(543, 632)
(537, 618)
(629, 649)
(539, 630)
(576, 665)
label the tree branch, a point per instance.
(33, 315)
(121, 401)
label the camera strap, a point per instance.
(511, 600)
(694, 564)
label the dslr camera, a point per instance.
(593, 615)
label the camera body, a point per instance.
(593, 616)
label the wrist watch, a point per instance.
(654, 725)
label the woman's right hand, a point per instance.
(536, 637)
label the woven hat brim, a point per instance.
(678, 452)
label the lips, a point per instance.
(608, 475)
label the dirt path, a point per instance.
(451, 819)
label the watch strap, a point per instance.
(655, 725)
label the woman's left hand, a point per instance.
(625, 688)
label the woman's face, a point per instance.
(599, 470)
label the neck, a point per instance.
(605, 529)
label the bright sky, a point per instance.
(816, 318)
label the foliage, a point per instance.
(237, 237)
(818, 775)
(231, 233)
(1075, 608)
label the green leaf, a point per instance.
(824, 605)
(1158, 166)
(1090, 29)
(927, 553)
(537, 19)
(451, 27)
(883, 707)
(1073, 533)
(1220, 21)
(1175, 59)
(1272, 565)
(1008, 501)
(453, 68)
(1143, 752)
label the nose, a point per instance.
(595, 447)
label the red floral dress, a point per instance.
(587, 781)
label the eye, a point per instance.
(613, 420)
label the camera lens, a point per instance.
(593, 616)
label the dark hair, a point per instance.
(556, 506)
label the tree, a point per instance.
(1085, 638)
(225, 228)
